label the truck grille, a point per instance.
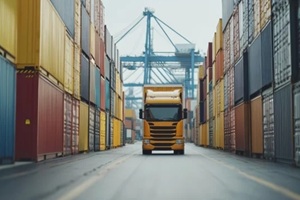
(163, 131)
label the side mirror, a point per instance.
(141, 114)
(185, 113)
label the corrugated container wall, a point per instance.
(66, 11)
(84, 78)
(69, 65)
(209, 55)
(97, 130)
(92, 41)
(241, 80)
(242, 117)
(268, 124)
(108, 43)
(265, 12)
(77, 63)
(92, 88)
(244, 22)
(107, 95)
(257, 126)
(236, 35)
(83, 127)
(283, 124)
(102, 131)
(39, 123)
(102, 95)
(297, 122)
(85, 31)
(102, 58)
(227, 9)
(75, 128)
(257, 27)
(251, 20)
(8, 110)
(227, 49)
(67, 123)
(97, 87)
(8, 26)
(77, 25)
(38, 44)
(266, 56)
(91, 139)
(219, 36)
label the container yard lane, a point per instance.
(126, 174)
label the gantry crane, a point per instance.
(161, 65)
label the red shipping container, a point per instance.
(219, 65)
(102, 57)
(40, 117)
(102, 94)
(209, 55)
(242, 123)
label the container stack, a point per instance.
(130, 125)
(59, 89)
(8, 53)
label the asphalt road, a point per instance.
(126, 174)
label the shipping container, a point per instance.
(85, 78)
(8, 111)
(39, 123)
(231, 58)
(102, 58)
(236, 35)
(108, 131)
(97, 50)
(92, 41)
(254, 67)
(103, 93)
(244, 24)
(241, 80)
(220, 130)
(107, 95)
(226, 91)
(83, 127)
(297, 122)
(92, 12)
(88, 6)
(97, 87)
(209, 55)
(251, 20)
(8, 26)
(97, 130)
(268, 124)
(77, 23)
(76, 80)
(232, 130)
(227, 10)
(69, 65)
(91, 128)
(284, 144)
(108, 44)
(257, 27)
(66, 11)
(220, 97)
(92, 84)
(257, 126)
(231, 87)
(102, 131)
(267, 56)
(85, 31)
(227, 48)
(68, 125)
(242, 121)
(41, 40)
(75, 128)
(202, 135)
(265, 12)
(219, 36)
(219, 65)
(282, 43)
(107, 66)
(227, 136)
(97, 11)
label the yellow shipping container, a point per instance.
(203, 135)
(41, 38)
(214, 102)
(77, 56)
(8, 26)
(220, 96)
(265, 12)
(69, 65)
(102, 131)
(221, 130)
(201, 73)
(122, 109)
(130, 113)
(214, 47)
(116, 105)
(77, 22)
(92, 40)
(117, 133)
(213, 74)
(219, 36)
(83, 126)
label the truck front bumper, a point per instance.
(150, 144)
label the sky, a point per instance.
(196, 20)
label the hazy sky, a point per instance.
(194, 19)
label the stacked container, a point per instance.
(130, 125)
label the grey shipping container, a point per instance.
(84, 78)
(244, 24)
(251, 20)
(92, 83)
(97, 129)
(85, 31)
(107, 67)
(227, 9)
(254, 67)
(8, 110)
(283, 124)
(66, 10)
(297, 122)
(107, 95)
(91, 128)
(266, 56)
(241, 80)
(268, 124)
(108, 43)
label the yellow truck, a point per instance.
(163, 117)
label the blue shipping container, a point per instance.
(7, 111)
(97, 86)
(107, 95)
(85, 31)
(84, 78)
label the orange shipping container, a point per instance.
(8, 26)
(219, 65)
(256, 125)
(242, 117)
(41, 38)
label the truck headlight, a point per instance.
(147, 141)
(179, 141)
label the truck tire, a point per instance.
(179, 152)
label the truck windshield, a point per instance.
(163, 113)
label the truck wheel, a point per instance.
(146, 152)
